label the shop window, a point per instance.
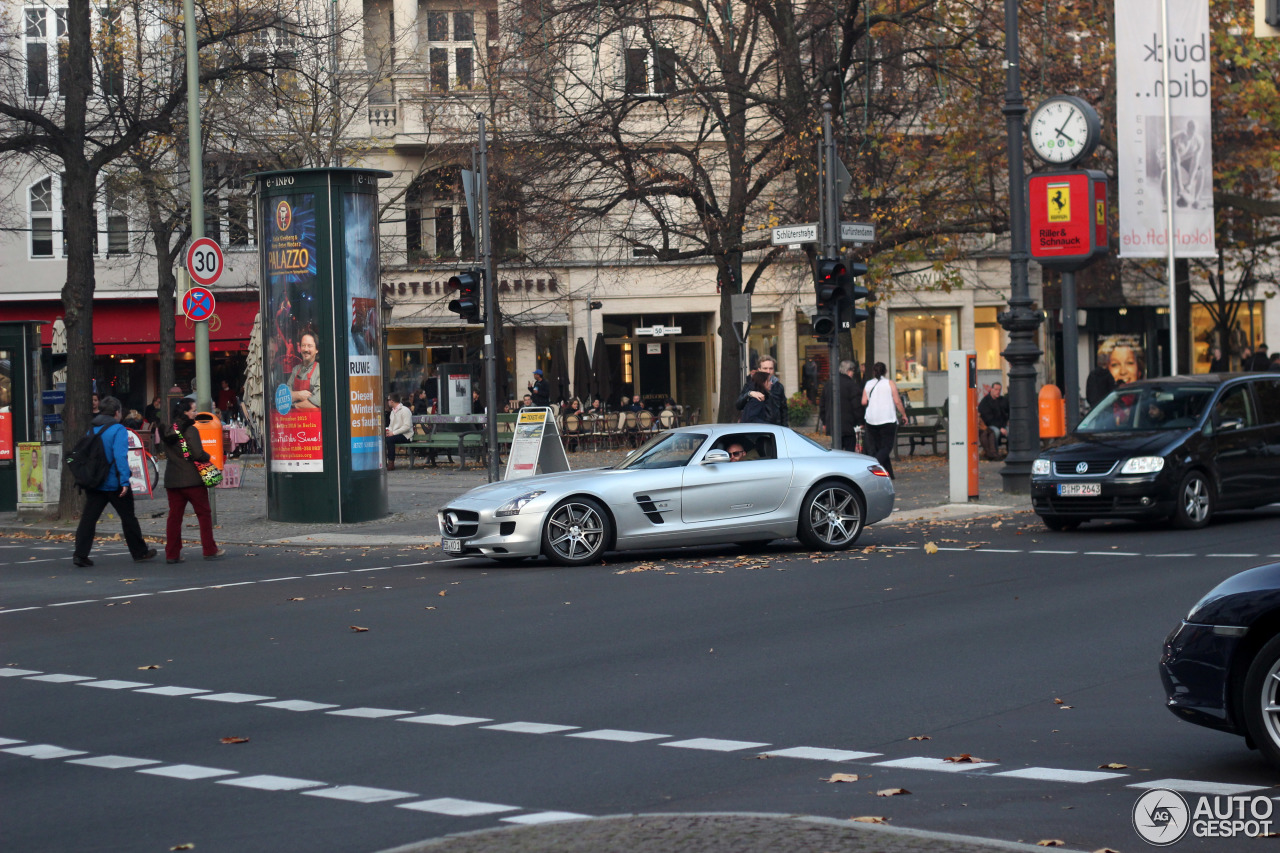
(987, 338)
(762, 339)
(1247, 331)
(920, 344)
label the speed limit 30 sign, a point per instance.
(204, 261)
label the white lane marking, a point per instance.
(1192, 786)
(267, 782)
(1231, 555)
(815, 753)
(545, 817)
(5, 741)
(369, 713)
(530, 728)
(172, 691)
(273, 580)
(19, 609)
(114, 684)
(113, 762)
(457, 808)
(118, 597)
(296, 705)
(81, 601)
(444, 720)
(374, 569)
(1112, 554)
(185, 589)
(1053, 552)
(939, 764)
(1052, 774)
(234, 698)
(714, 744)
(238, 583)
(999, 550)
(10, 672)
(359, 794)
(326, 574)
(619, 735)
(43, 751)
(187, 771)
(1162, 556)
(60, 678)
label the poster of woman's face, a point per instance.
(1124, 357)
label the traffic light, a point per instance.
(468, 303)
(855, 292)
(829, 283)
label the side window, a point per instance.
(1235, 404)
(760, 445)
(1267, 392)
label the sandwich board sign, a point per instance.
(536, 443)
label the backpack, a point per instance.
(88, 460)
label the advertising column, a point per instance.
(322, 340)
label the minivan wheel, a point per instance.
(1193, 502)
(1057, 522)
(1262, 701)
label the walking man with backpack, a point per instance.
(100, 464)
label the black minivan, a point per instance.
(1177, 448)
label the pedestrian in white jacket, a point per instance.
(399, 429)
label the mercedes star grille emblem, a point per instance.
(450, 522)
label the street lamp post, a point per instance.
(1021, 321)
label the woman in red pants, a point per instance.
(182, 482)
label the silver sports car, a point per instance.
(695, 485)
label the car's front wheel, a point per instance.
(831, 516)
(576, 532)
(1262, 701)
(1193, 501)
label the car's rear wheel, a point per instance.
(1193, 501)
(1057, 522)
(831, 516)
(576, 532)
(1262, 701)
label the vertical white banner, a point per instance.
(1140, 137)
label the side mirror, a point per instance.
(714, 456)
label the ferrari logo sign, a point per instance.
(1058, 201)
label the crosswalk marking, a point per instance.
(267, 782)
(939, 764)
(445, 720)
(714, 744)
(458, 808)
(359, 794)
(618, 735)
(43, 751)
(814, 753)
(234, 698)
(369, 713)
(1051, 774)
(1192, 786)
(530, 728)
(113, 684)
(113, 762)
(297, 705)
(186, 771)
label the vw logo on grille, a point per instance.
(450, 522)
(1082, 467)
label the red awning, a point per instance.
(132, 327)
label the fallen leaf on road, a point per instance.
(297, 599)
(235, 740)
(358, 629)
(442, 592)
(1051, 842)
(919, 737)
(840, 777)
(869, 819)
(150, 666)
(1058, 701)
(997, 524)
(183, 847)
(1066, 707)
(891, 792)
(963, 758)
(1115, 765)
(930, 548)
(1109, 850)
(428, 608)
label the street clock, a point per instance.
(1063, 130)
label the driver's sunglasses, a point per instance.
(737, 453)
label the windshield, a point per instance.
(1149, 407)
(666, 450)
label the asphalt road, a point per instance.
(483, 696)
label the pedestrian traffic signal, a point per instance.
(467, 305)
(829, 284)
(856, 292)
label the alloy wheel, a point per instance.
(834, 516)
(575, 531)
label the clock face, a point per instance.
(1061, 131)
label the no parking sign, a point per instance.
(198, 304)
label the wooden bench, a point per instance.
(458, 436)
(925, 425)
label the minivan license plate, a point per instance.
(453, 546)
(1070, 490)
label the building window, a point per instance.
(920, 345)
(650, 71)
(45, 35)
(117, 205)
(436, 223)
(451, 50)
(42, 216)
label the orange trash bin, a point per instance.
(1053, 412)
(210, 429)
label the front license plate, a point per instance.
(1072, 490)
(452, 546)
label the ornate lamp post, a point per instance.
(1021, 320)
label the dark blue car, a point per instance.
(1221, 666)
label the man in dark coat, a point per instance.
(994, 411)
(1261, 361)
(849, 393)
(776, 392)
(1100, 382)
(539, 391)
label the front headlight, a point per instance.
(1040, 467)
(513, 506)
(1143, 465)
